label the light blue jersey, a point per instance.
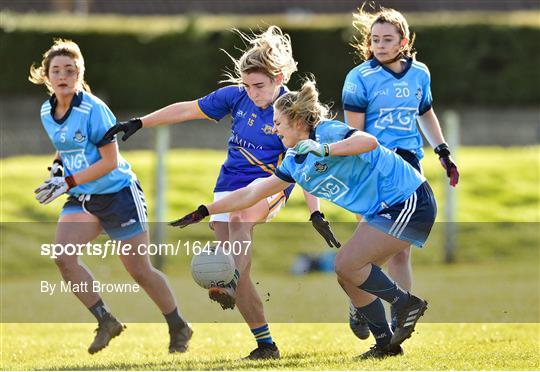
(78, 136)
(390, 101)
(363, 184)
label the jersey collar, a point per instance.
(75, 102)
(375, 62)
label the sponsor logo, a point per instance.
(381, 92)
(130, 222)
(387, 216)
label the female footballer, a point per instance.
(254, 153)
(350, 168)
(385, 96)
(103, 192)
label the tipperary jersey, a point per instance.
(390, 101)
(254, 151)
(78, 136)
(364, 184)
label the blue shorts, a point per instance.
(410, 220)
(410, 158)
(122, 214)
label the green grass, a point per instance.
(303, 347)
(496, 185)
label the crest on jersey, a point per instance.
(268, 129)
(419, 94)
(79, 137)
(321, 167)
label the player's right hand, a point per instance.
(56, 169)
(191, 218)
(128, 127)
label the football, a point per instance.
(212, 268)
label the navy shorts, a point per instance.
(410, 158)
(122, 214)
(410, 220)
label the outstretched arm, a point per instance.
(237, 200)
(176, 113)
(248, 196)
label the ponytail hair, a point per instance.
(303, 105)
(270, 53)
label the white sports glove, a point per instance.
(51, 189)
(316, 148)
(56, 169)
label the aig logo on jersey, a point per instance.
(330, 189)
(79, 137)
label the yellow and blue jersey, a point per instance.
(391, 102)
(78, 136)
(364, 184)
(254, 151)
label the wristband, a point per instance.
(70, 182)
(326, 150)
(442, 150)
(203, 211)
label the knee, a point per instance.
(142, 276)
(342, 268)
(402, 258)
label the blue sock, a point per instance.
(380, 285)
(376, 320)
(262, 335)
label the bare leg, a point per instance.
(77, 228)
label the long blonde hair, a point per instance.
(61, 47)
(303, 105)
(270, 53)
(363, 22)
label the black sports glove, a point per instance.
(191, 218)
(128, 127)
(323, 227)
(448, 163)
(56, 169)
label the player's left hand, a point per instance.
(323, 227)
(51, 189)
(448, 163)
(191, 218)
(308, 145)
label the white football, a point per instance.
(212, 268)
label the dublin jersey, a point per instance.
(78, 136)
(253, 150)
(363, 184)
(391, 102)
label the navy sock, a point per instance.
(174, 320)
(380, 285)
(262, 335)
(376, 320)
(99, 310)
